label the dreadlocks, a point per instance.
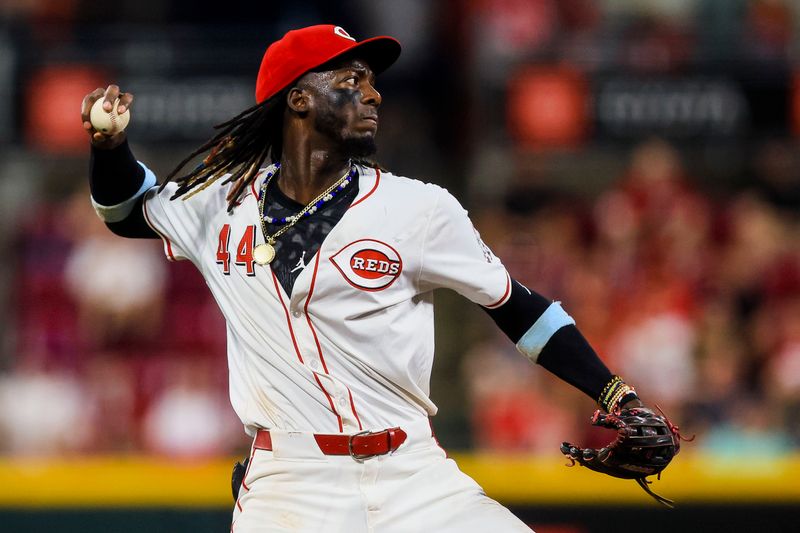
(239, 149)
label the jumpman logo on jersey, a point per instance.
(300, 264)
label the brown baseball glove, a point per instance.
(646, 443)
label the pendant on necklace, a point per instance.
(263, 254)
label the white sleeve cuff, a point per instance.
(553, 319)
(115, 213)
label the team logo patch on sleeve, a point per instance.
(487, 253)
(368, 264)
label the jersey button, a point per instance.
(296, 314)
(343, 402)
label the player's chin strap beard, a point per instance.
(263, 254)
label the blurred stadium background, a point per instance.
(636, 159)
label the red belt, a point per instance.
(359, 446)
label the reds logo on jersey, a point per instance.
(368, 264)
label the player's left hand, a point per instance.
(645, 444)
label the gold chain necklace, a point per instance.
(263, 254)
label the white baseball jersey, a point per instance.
(352, 347)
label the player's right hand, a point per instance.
(110, 95)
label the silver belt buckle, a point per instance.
(359, 457)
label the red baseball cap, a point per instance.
(300, 51)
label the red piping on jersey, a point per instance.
(167, 244)
(353, 407)
(330, 401)
(249, 464)
(286, 312)
(316, 340)
(503, 298)
(308, 318)
(377, 181)
(297, 350)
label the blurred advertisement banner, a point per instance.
(547, 107)
(52, 92)
(630, 107)
(185, 109)
(560, 107)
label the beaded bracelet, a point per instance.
(613, 393)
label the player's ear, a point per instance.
(298, 100)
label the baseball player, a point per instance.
(324, 267)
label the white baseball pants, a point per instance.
(416, 489)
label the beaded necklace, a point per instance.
(263, 254)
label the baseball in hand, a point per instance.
(108, 122)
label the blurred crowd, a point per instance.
(693, 298)
(116, 351)
(635, 159)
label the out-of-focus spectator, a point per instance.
(504, 31)
(696, 304)
(781, 376)
(656, 354)
(784, 365)
(515, 406)
(539, 236)
(653, 237)
(110, 382)
(93, 308)
(693, 296)
(755, 244)
(190, 418)
(42, 410)
(768, 29)
(754, 432)
(722, 367)
(118, 284)
(777, 175)
(653, 220)
(656, 43)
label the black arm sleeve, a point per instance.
(115, 176)
(567, 354)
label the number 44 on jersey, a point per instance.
(244, 250)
